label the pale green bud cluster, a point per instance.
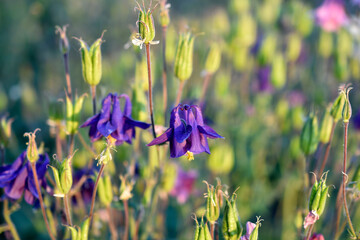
(183, 66)
(5, 131)
(212, 203)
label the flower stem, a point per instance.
(207, 78)
(58, 141)
(346, 125)
(126, 230)
(327, 151)
(10, 224)
(67, 74)
(309, 232)
(150, 89)
(94, 192)
(164, 74)
(33, 167)
(93, 96)
(180, 90)
(67, 209)
(71, 144)
(112, 227)
(212, 229)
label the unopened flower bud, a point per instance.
(278, 73)
(105, 190)
(213, 59)
(326, 127)
(32, 150)
(91, 61)
(202, 231)
(338, 106)
(64, 42)
(255, 229)
(73, 113)
(347, 112)
(231, 228)
(5, 130)
(183, 66)
(309, 135)
(212, 203)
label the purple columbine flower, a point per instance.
(184, 185)
(187, 133)
(111, 121)
(331, 15)
(249, 229)
(17, 178)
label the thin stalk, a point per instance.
(58, 141)
(126, 230)
(212, 229)
(67, 74)
(71, 144)
(346, 125)
(10, 224)
(33, 167)
(112, 227)
(338, 212)
(179, 93)
(327, 151)
(164, 74)
(150, 89)
(93, 97)
(309, 232)
(67, 209)
(207, 78)
(94, 192)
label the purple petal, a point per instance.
(249, 229)
(198, 116)
(16, 188)
(134, 123)
(162, 138)
(103, 125)
(117, 115)
(9, 172)
(196, 142)
(182, 132)
(127, 105)
(91, 121)
(29, 198)
(209, 132)
(177, 149)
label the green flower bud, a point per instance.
(5, 130)
(318, 196)
(73, 114)
(63, 176)
(105, 190)
(347, 111)
(325, 44)
(32, 150)
(268, 49)
(309, 136)
(278, 73)
(302, 19)
(64, 42)
(221, 160)
(184, 57)
(255, 233)
(326, 126)
(212, 203)
(231, 228)
(294, 47)
(213, 59)
(91, 61)
(338, 106)
(354, 67)
(202, 231)
(239, 6)
(164, 13)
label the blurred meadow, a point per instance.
(278, 66)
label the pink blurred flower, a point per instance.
(310, 219)
(317, 236)
(331, 15)
(249, 229)
(184, 185)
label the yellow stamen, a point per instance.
(111, 140)
(189, 155)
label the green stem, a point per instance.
(42, 205)
(67, 74)
(179, 94)
(151, 110)
(94, 192)
(67, 209)
(93, 97)
(346, 125)
(327, 151)
(7, 218)
(309, 232)
(212, 229)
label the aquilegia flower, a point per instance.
(331, 15)
(187, 133)
(249, 229)
(17, 178)
(114, 122)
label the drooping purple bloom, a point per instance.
(331, 15)
(114, 121)
(184, 185)
(17, 178)
(249, 229)
(187, 133)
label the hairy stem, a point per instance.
(33, 167)
(10, 225)
(164, 74)
(327, 151)
(112, 227)
(179, 93)
(94, 192)
(126, 230)
(150, 89)
(93, 97)
(346, 125)
(67, 209)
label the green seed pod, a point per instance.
(105, 190)
(212, 204)
(315, 203)
(246, 31)
(338, 106)
(302, 20)
(146, 25)
(213, 59)
(294, 47)
(347, 111)
(85, 229)
(91, 61)
(32, 152)
(169, 177)
(207, 232)
(309, 136)
(323, 198)
(325, 44)
(255, 233)
(278, 73)
(326, 127)
(231, 224)
(73, 114)
(56, 111)
(74, 233)
(313, 193)
(183, 66)
(197, 230)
